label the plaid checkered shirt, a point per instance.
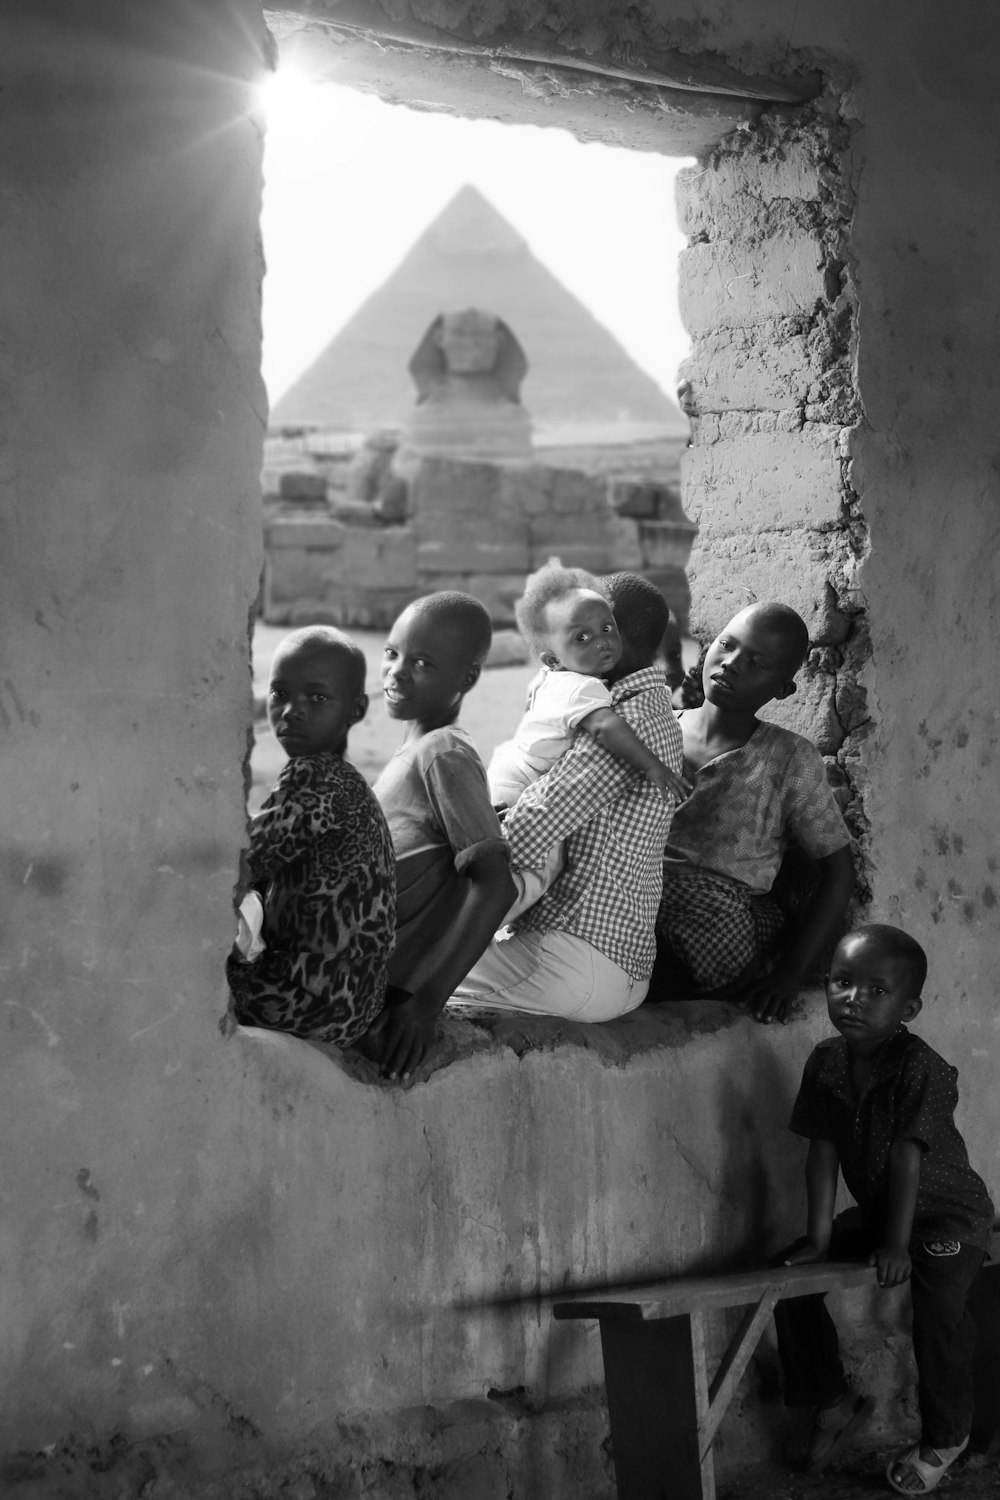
(613, 823)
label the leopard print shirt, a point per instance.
(322, 859)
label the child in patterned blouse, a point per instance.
(320, 857)
(877, 1104)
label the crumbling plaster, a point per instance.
(228, 1256)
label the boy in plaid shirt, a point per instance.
(758, 789)
(586, 949)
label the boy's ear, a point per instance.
(786, 689)
(360, 708)
(550, 659)
(471, 676)
(912, 1008)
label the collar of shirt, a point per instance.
(888, 1062)
(638, 682)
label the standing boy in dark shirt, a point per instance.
(879, 1104)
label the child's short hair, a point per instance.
(784, 620)
(897, 944)
(463, 613)
(543, 588)
(641, 612)
(329, 638)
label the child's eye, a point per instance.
(607, 628)
(317, 697)
(422, 662)
(276, 693)
(390, 653)
(877, 989)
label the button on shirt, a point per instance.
(614, 823)
(750, 803)
(911, 1097)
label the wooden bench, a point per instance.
(664, 1409)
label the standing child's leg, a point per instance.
(814, 1378)
(944, 1338)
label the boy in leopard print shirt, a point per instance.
(320, 856)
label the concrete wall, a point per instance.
(228, 1259)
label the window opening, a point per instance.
(377, 218)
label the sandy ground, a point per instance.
(490, 712)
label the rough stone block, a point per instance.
(285, 531)
(634, 497)
(291, 575)
(449, 487)
(467, 550)
(380, 559)
(771, 481)
(626, 551)
(526, 489)
(666, 543)
(794, 568)
(728, 285)
(748, 368)
(723, 194)
(557, 532)
(302, 486)
(576, 494)
(355, 513)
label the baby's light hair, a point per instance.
(897, 944)
(545, 587)
(467, 616)
(328, 638)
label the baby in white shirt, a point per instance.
(570, 626)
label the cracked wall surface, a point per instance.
(232, 1265)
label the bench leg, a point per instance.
(657, 1390)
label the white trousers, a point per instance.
(550, 974)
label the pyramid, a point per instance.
(579, 374)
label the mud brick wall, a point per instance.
(767, 294)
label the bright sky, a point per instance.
(351, 182)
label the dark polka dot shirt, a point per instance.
(911, 1097)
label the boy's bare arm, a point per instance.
(822, 1165)
(403, 1033)
(770, 997)
(620, 739)
(892, 1257)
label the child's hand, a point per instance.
(670, 784)
(805, 1252)
(892, 1264)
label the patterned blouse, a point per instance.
(321, 857)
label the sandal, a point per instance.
(929, 1475)
(834, 1428)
